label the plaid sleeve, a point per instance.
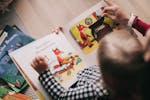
(57, 92)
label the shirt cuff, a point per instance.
(131, 20)
(47, 71)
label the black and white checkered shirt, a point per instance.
(88, 87)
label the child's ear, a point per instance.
(148, 33)
(147, 50)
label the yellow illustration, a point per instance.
(90, 30)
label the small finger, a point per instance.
(109, 16)
(32, 65)
(109, 9)
(41, 58)
(37, 58)
(109, 2)
(35, 61)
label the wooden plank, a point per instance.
(40, 17)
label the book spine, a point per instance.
(29, 81)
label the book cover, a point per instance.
(11, 80)
(88, 31)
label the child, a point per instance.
(88, 87)
(127, 60)
(123, 67)
(123, 70)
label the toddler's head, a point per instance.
(122, 63)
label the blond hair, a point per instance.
(121, 57)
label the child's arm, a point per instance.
(56, 91)
(114, 12)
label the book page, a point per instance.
(89, 58)
(63, 60)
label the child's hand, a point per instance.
(39, 64)
(57, 30)
(114, 12)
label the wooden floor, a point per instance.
(40, 16)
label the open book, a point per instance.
(63, 60)
(67, 52)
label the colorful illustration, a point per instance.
(16, 96)
(10, 77)
(90, 30)
(62, 62)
